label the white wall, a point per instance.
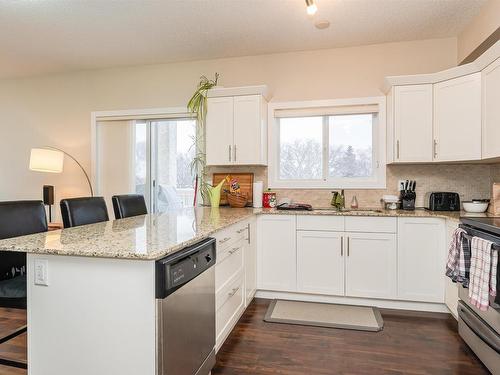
(55, 110)
(480, 28)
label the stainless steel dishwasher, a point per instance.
(185, 298)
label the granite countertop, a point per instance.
(151, 237)
(147, 237)
(419, 212)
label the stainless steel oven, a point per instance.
(481, 329)
(185, 292)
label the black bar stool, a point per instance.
(129, 205)
(17, 218)
(82, 211)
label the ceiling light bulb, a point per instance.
(311, 7)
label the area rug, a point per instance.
(360, 318)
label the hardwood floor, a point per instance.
(407, 345)
(11, 320)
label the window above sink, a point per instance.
(328, 144)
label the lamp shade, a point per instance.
(45, 160)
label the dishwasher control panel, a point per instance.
(174, 271)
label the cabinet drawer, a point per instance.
(229, 264)
(229, 235)
(371, 224)
(230, 303)
(310, 222)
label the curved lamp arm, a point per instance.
(78, 163)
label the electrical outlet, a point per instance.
(41, 272)
(401, 185)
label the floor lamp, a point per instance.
(51, 160)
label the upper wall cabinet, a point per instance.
(447, 116)
(413, 123)
(236, 126)
(457, 119)
(491, 110)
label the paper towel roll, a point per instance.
(258, 190)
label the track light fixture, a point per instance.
(311, 7)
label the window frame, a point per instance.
(146, 115)
(377, 181)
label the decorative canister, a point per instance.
(269, 199)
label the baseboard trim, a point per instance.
(383, 304)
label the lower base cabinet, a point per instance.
(421, 259)
(320, 262)
(371, 265)
(451, 288)
(235, 275)
(276, 253)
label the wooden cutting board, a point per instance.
(244, 179)
(495, 200)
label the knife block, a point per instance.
(408, 200)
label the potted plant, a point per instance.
(198, 105)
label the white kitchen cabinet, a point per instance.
(421, 259)
(413, 111)
(251, 261)
(491, 110)
(236, 129)
(450, 288)
(370, 265)
(219, 131)
(457, 119)
(277, 255)
(249, 134)
(320, 262)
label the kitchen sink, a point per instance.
(357, 211)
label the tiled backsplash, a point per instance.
(469, 180)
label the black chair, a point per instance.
(82, 211)
(129, 205)
(17, 218)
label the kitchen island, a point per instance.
(91, 289)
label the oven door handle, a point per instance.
(479, 327)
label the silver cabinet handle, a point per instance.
(233, 292)
(248, 229)
(229, 152)
(224, 240)
(397, 149)
(341, 246)
(233, 250)
(348, 246)
(234, 152)
(435, 148)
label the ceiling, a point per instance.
(47, 36)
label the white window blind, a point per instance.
(327, 110)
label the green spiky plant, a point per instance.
(198, 106)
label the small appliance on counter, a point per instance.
(442, 201)
(408, 195)
(390, 202)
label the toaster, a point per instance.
(442, 201)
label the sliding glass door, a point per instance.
(151, 157)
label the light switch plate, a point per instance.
(41, 272)
(401, 185)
